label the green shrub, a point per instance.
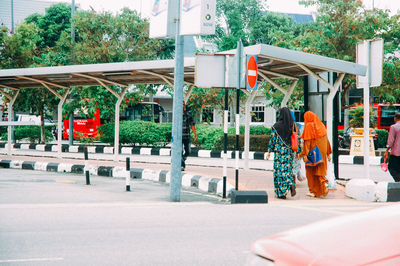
(137, 132)
(382, 137)
(32, 133)
(254, 130)
(208, 136)
(257, 143)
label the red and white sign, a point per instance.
(251, 72)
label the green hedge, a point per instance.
(137, 132)
(257, 143)
(32, 133)
(211, 138)
(382, 137)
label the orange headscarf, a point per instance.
(313, 127)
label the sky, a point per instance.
(284, 6)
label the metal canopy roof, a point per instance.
(282, 62)
(125, 73)
(274, 61)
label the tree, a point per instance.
(340, 25)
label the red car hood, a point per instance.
(361, 238)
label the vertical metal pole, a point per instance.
(10, 135)
(305, 93)
(176, 153)
(237, 117)
(85, 152)
(366, 114)
(59, 132)
(128, 177)
(336, 115)
(12, 17)
(225, 143)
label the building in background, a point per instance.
(13, 12)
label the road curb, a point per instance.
(368, 190)
(102, 149)
(206, 184)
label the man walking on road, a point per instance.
(393, 145)
(187, 124)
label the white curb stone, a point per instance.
(64, 167)
(109, 150)
(24, 146)
(150, 175)
(73, 148)
(205, 153)
(165, 152)
(41, 166)
(16, 164)
(40, 147)
(120, 172)
(186, 178)
(91, 149)
(382, 191)
(203, 183)
(145, 151)
(361, 189)
(346, 159)
(92, 169)
(126, 150)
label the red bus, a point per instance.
(88, 127)
(384, 115)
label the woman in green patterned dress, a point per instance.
(280, 145)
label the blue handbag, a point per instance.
(314, 157)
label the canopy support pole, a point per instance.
(12, 99)
(249, 101)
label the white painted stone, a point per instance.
(168, 177)
(203, 183)
(375, 160)
(41, 166)
(361, 189)
(251, 155)
(24, 147)
(91, 149)
(186, 178)
(73, 148)
(165, 152)
(120, 172)
(54, 148)
(145, 151)
(16, 164)
(126, 150)
(92, 169)
(151, 175)
(205, 153)
(381, 191)
(109, 150)
(40, 147)
(64, 168)
(346, 159)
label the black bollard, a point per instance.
(128, 177)
(85, 152)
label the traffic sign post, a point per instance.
(369, 53)
(251, 72)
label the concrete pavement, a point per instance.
(253, 179)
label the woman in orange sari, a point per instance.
(314, 134)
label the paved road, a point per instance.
(55, 219)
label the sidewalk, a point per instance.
(248, 179)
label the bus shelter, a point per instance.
(273, 63)
(60, 79)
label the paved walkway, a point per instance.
(254, 179)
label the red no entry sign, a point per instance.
(251, 72)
